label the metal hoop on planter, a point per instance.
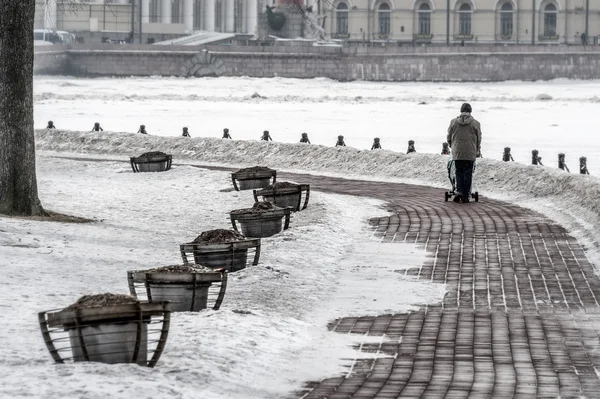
(252, 180)
(157, 163)
(127, 333)
(264, 224)
(285, 196)
(231, 257)
(200, 290)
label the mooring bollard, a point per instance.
(583, 166)
(97, 127)
(535, 158)
(266, 136)
(445, 149)
(376, 144)
(507, 156)
(411, 146)
(304, 138)
(561, 162)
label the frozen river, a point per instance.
(551, 117)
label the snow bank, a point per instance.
(570, 199)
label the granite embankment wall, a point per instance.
(477, 63)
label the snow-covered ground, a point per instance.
(552, 117)
(325, 266)
(318, 270)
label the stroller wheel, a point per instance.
(446, 196)
(476, 196)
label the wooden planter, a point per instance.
(243, 180)
(286, 196)
(127, 333)
(230, 257)
(157, 163)
(264, 224)
(186, 292)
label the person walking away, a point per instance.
(97, 127)
(411, 147)
(464, 139)
(185, 132)
(142, 129)
(226, 134)
(50, 125)
(266, 136)
(304, 138)
(376, 144)
(340, 142)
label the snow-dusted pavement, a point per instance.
(319, 269)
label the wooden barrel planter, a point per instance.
(107, 328)
(262, 220)
(154, 161)
(284, 194)
(188, 288)
(222, 249)
(252, 178)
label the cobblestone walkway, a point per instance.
(521, 317)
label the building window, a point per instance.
(198, 14)
(506, 20)
(154, 11)
(384, 16)
(176, 17)
(550, 14)
(341, 17)
(424, 19)
(464, 20)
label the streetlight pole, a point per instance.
(532, 21)
(140, 9)
(132, 21)
(447, 22)
(587, 18)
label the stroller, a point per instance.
(452, 177)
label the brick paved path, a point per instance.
(520, 319)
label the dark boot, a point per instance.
(457, 198)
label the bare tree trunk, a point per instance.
(18, 184)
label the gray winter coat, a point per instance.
(464, 137)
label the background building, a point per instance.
(376, 21)
(471, 21)
(93, 20)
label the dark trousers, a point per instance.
(464, 176)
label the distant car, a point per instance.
(52, 37)
(46, 35)
(66, 37)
